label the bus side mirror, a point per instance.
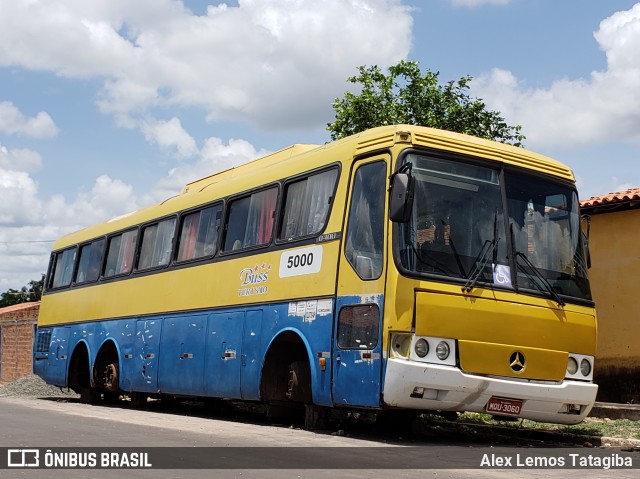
(401, 194)
(585, 228)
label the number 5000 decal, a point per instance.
(301, 261)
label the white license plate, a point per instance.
(510, 407)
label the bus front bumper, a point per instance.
(422, 386)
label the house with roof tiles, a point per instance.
(614, 244)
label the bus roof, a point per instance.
(280, 164)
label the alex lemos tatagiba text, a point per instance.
(570, 460)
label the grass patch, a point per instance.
(596, 427)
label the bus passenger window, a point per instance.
(250, 221)
(365, 232)
(307, 204)
(90, 261)
(199, 234)
(63, 268)
(358, 326)
(120, 253)
(157, 241)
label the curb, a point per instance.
(616, 411)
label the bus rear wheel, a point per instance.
(110, 376)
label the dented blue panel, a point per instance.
(252, 355)
(358, 360)
(222, 358)
(182, 348)
(144, 356)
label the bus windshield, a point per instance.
(458, 229)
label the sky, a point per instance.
(107, 106)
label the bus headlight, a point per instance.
(421, 347)
(433, 350)
(580, 367)
(442, 350)
(572, 366)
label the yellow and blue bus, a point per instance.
(402, 268)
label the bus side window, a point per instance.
(307, 203)
(120, 253)
(157, 241)
(62, 272)
(199, 234)
(365, 231)
(90, 261)
(250, 220)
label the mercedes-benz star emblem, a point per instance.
(517, 362)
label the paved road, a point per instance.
(251, 449)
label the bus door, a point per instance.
(58, 356)
(357, 338)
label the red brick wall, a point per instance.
(16, 340)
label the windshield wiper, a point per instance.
(490, 247)
(547, 286)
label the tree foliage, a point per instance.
(408, 97)
(31, 292)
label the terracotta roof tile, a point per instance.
(19, 306)
(612, 198)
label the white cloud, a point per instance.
(20, 159)
(20, 205)
(29, 224)
(13, 121)
(107, 198)
(275, 63)
(170, 134)
(578, 112)
(24, 252)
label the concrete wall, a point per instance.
(17, 325)
(615, 275)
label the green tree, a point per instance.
(406, 96)
(31, 292)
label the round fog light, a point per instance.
(572, 366)
(442, 350)
(421, 348)
(585, 367)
